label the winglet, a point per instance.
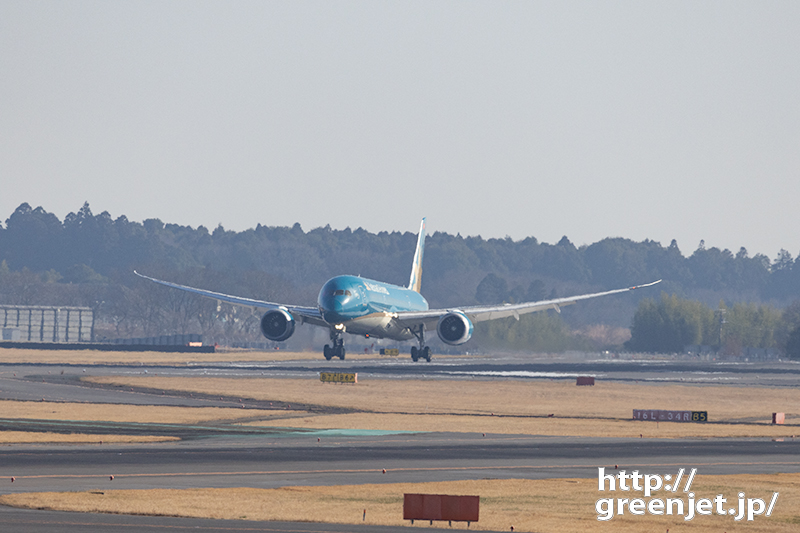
(645, 285)
(415, 283)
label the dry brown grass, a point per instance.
(28, 437)
(518, 406)
(157, 414)
(509, 397)
(554, 505)
(588, 427)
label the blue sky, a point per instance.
(645, 120)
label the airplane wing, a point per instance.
(482, 313)
(310, 315)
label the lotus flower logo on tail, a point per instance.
(415, 283)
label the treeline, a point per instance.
(670, 324)
(90, 258)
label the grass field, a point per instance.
(479, 405)
(554, 505)
(156, 414)
(588, 427)
(505, 406)
(29, 437)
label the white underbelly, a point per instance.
(380, 325)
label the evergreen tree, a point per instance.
(492, 289)
(669, 325)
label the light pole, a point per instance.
(720, 315)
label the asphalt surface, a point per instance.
(28, 521)
(264, 462)
(220, 455)
(687, 371)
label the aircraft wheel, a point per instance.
(327, 352)
(426, 354)
(341, 352)
(414, 354)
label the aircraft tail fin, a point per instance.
(415, 283)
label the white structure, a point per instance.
(36, 323)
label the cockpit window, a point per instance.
(341, 292)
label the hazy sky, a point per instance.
(654, 120)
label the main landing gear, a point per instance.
(337, 350)
(423, 352)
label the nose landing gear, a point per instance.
(337, 350)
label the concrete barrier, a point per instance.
(102, 347)
(777, 418)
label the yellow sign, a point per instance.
(390, 351)
(338, 377)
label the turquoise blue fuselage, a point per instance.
(364, 306)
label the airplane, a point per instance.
(369, 308)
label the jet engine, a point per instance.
(277, 325)
(454, 328)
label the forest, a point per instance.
(88, 260)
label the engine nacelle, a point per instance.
(454, 328)
(277, 325)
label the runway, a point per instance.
(269, 463)
(28, 521)
(218, 456)
(700, 372)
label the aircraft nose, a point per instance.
(332, 308)
(338, 300)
